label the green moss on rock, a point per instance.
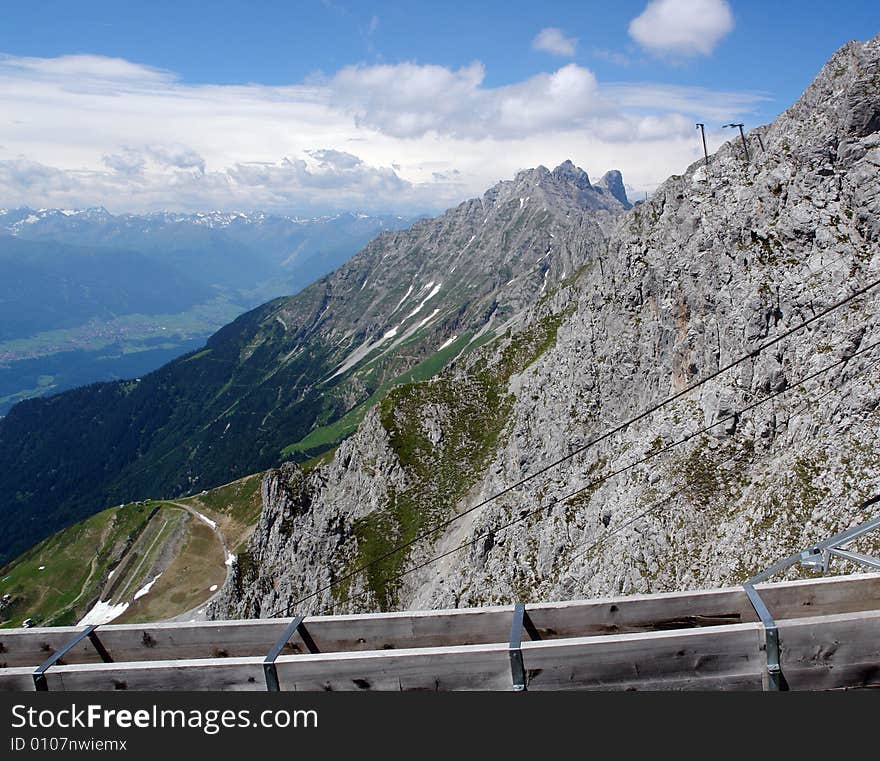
(443, 433)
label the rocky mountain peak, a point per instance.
(568, 172)
(612, 181)
(566, 188)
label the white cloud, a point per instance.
(126, 162)
(177, 156)
(553, 40)
(408, 100)
(710, 105)
(323, 180)
(89, 66)
(34, 180)
(88, 131)
(682, 27)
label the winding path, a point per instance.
(198, 612)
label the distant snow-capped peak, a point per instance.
(13, 221)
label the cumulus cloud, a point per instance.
(408, 100)
(682, 27)
(411, 101)
(333, 171)
(323, 179)
(132, 161)
(34, 180)
(553, 40)
(88, 131)
(336, 160)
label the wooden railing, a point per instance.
(690, 640)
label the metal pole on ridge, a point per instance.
(742, 135)
(702, 128)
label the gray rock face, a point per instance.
(612, 181)
(719, 261)
(567, 172)
(467, 271)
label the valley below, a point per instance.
(93, 297)
(143, 561)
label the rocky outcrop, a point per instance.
(612, 181)
(719, 261)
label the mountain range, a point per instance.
(544, 393)
(210, 247)
(296, 375)
(88, 295)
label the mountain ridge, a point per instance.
(403, 307)
(720, 260)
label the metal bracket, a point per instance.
(856, 557)
(775, 679)
(816, 557)
(40, 683)
(521, 621)
(269, 669)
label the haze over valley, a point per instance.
(90, 296)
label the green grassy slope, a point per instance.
(235, 507)
(55, 582)
(114, 554)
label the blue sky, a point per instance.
(311, 106)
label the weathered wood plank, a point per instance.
(354, 633)
(831, 652)
(820, 652)
(640, 613)
(134, 642)
(720, 683)
(826, 596)
(469, 667)
(477, 667)
(30, 647)
(703, 658)
(465, 626)
(17, 679)
(198, 674)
